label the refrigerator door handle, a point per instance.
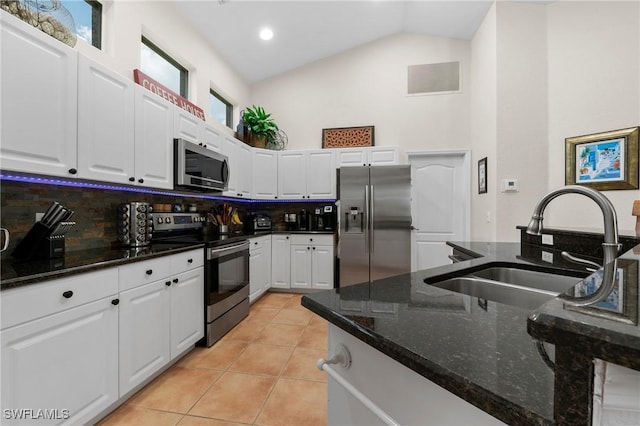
(365, 222)
(372, 212)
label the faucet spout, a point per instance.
(610, 246)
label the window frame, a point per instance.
(184, 73)
(228, 108)
(96, 23)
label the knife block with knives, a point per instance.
(46, 238)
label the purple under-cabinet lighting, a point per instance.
(43, 180)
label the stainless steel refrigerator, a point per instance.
(375, 221)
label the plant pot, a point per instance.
(258, 141)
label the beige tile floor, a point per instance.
(261, 373)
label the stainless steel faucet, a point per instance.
(610, 246)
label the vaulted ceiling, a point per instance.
(306, 31)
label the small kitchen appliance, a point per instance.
(257, 222)
(135, 224)
(198, 168)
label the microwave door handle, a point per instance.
(225, 171)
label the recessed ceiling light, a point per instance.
(266, 34)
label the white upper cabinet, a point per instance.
(321, 174)
(265, 174)
(105, 123)
(153, 140)
(369, 156)
(239, 156)
(188, 126)
(39, 86)
(306, 174)
(212, 138)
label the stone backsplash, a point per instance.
(96, 210)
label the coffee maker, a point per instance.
(324, 218)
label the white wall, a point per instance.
(484, 126)
(594, 86)
(126, 21)
(521, 149)
(368, 86)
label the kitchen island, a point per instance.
(479, 350)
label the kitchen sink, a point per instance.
(513, 285)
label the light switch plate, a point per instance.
(547, 257)
(547, 239)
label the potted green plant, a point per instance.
(261, 125)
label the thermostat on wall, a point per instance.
(509, 185)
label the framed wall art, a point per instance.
(482, 176)
(603, 161)
(348, 137)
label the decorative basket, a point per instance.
(49, 16)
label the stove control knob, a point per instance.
(160, 220)
(167, 220)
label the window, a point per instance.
(160, 66)
(220, 109)
(87, 17)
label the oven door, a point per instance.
(227, 278)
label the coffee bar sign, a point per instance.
(163, 91)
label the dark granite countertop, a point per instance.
(484, 354)
(16, 273)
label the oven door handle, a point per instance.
(215, 253)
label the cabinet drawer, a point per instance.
(259, 242)
(314, 239)
(186, 261)
(24, 304)
(138, 273)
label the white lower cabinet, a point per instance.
(144, 333)
(259, 266)
(401, 393)
(161, 314)
(312, 261)
(280, 261)
(65, 362)
(71, 348)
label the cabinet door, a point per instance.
(144, 332)
(322, 267)
(212, 138)
(256, 273)
(230, 149)
(292, 174)
(350, 157)
(244, 170)
(383, 155)
(153, 139)
(266, 278)
(188, 126)
(321, 174)
(280, 261)
(300, 266)
(265, 174)
(39, 102)
(187, 310)
(67, 361)
(105, 123)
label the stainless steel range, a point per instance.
(226, 287)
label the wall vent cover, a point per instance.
(424, 79)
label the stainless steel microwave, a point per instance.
(198, 168)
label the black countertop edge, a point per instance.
(83, 261)
(483, 399)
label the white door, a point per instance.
(322, 267)
(265, 174)
(321, 174)
(280, 261)
(440, 205)
(292, 174)
(300, 266)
